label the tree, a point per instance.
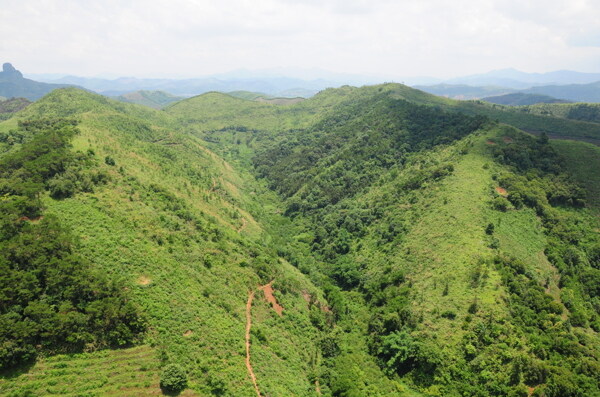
(173, 379)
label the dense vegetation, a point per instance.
(52, 299)
(416, 245)
(12, 105)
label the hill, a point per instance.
(13, 84)
(588, 112)
(153, 99)
(573, 92)
(518, 99)
(173, 222)
(419, 218)
(258, 97)
(462, 91)
(12, 105)
(366, 241)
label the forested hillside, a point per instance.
(373, 241)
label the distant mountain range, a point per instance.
(279, 86)
(589, 92)
(515, 79)
(561, 85)
(13, 84)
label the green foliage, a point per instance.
(51, 299)
(410, 265)
(173, 378)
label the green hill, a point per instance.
(153, 99)
(432, 237)
(414, 246)
(519, 98)
(588, 112)
(12, 105)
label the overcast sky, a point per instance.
(388, 38)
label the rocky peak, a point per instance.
(9, 71)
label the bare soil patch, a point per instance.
(267, 289)
(143, 280)
(491, 143)
(501, 191)
(507, 139)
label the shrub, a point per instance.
(173, 378)
(109, 161)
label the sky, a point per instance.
(384, 38)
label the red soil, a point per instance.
(267, 289)
(248, 328)
(501, 191)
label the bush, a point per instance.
(109, 161)
(173, 378)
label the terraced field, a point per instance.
(133, 371)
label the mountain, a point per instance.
(12, 84)
(512, 78)
(273, 85)
(572, 92)
(519, 98)
(366, 241)
(153, 99)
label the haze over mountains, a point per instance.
(563, 85)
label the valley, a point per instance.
(372, 241)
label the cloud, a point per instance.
(384, 37)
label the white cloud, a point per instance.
(385, 37)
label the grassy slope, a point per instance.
(182, 294)
(446, 241)
(193, 288)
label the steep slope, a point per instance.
(368, 241)
(445, 244)
(174, 223)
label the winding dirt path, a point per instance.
(267, 289)
(248, 328)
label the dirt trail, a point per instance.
(268, 291)
(248, 328)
